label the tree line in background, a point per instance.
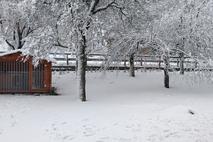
(119, 28)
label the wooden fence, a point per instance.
(67, 62)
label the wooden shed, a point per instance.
(19, 75)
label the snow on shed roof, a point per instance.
(10, 52)
(24, 53)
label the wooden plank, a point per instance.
(47, 76)
(30, 75)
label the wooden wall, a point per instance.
(16, 58)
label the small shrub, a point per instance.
(53, 91)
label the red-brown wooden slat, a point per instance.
(14, 73)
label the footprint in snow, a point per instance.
(112, 82)
(63, 123)
(1, 132)
(13, 124)
(68, 137)
(88, 130)
(85, 120)
(103, 139)
(124, 140)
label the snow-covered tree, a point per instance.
(131, 33)
(27, 25)
(83, 21)
(14, 21)
(186, 26)
(123, 27)
(166, 26)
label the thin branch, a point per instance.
(59, 44)
(93, 5)
(103, 8)
(23, 28)
(29, 31)
(10, 44)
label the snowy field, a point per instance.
(119, 109)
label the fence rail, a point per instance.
(67, 62)
(95, 68)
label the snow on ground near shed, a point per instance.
(119, 109)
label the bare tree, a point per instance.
(82, 18)
(14, 25)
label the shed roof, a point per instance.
(10, 52)
(24, 53)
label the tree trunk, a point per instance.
(81, 69)
(181, 63)
(131, 66)
(166, 70)
(67, 59)
(166, 78)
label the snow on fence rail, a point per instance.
(67, 62)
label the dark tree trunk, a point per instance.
(166, 78)
(181, 63)
(82, 59)
(81, 68)
(166, 70)
(131, 66)
(19, 33)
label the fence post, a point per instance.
(141, 61)
(125, 63)
(67, 59)
(196, 64)
(76, 64)
(159, 64)
(178, 63)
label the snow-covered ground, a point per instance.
(119, 109)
